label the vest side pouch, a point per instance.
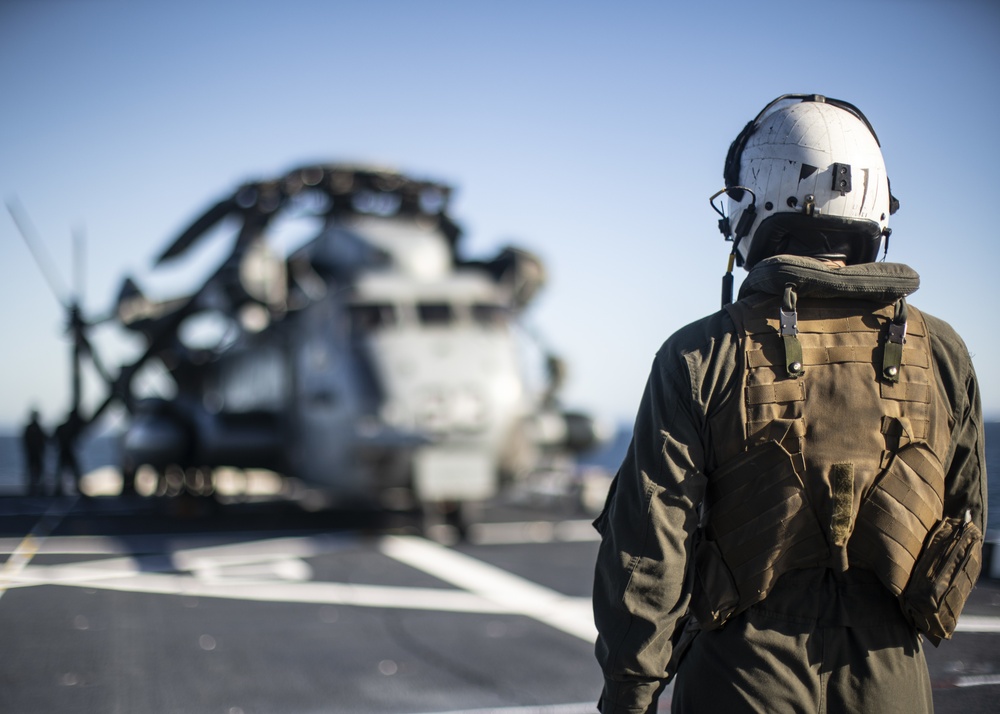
(896, 515)
(943, 577)
(714, 596)
(758, 524)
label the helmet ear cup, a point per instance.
(893, 201)
(731, 172)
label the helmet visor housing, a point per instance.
(819, 185)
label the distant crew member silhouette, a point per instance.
(34, 439)
(66, 437)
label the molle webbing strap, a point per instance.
(838, 354)
(908, 392)
(867, 340)
(776, 393)
(827, 320)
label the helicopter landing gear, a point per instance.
(448, 522)
(128, 479)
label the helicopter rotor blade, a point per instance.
(208, 220)
(31, 238)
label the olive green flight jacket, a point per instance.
(642, 580)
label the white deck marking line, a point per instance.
(321, 593)
(978, 623)
(16, 563)
(249, 551)
(581, 708)
(266, 568)
(572, 615)
(977, 680)
(222, 572)
(573, 531)
(73, 573)
(246, 561)
(71, 545)
(194, 543)
(31, 543)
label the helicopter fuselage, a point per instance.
(371, 361)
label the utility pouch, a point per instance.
(758, 525)
(896, 516)
(714, 596)
(943, 577)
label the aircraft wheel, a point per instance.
(448, 521)
(128, 480)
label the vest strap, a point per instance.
(788, 321)
(892, 355)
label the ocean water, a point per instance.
(104, 450)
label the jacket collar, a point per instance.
(880, 282)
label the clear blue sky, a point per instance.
(590, 132)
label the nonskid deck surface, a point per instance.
(161, 607)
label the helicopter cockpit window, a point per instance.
(372, 316)
(435, 313)
(211, 330)
(489, 315)
(376, 203)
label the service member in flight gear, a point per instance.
(803, 500)
(34, 440)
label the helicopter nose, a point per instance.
(460, 409)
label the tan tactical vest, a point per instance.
(839, 461)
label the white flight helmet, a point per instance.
(807, 177)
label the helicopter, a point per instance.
(375, 361)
